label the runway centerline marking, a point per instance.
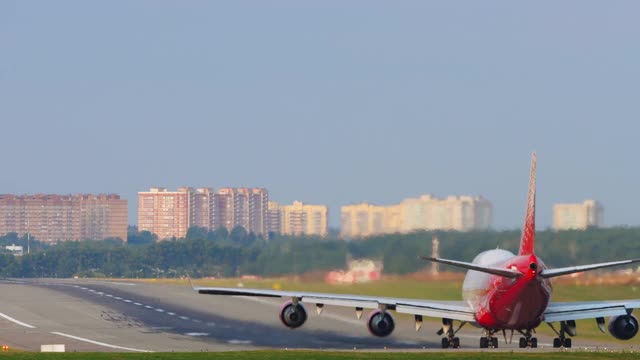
(16, 321)
(98, 342)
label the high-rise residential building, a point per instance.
(54, 218)
(202, 208)
(590, 213)
(460, 213)
(164, 213)
(246, 207)
(171, 213)
(362, 220)
(274, 220)
(303, 219)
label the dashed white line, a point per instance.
(118, 298)
(148, 307)
(159, 310)
(196, 334)
(196, 321)
(184, 317)
(109, 295)
(17, 321)
(239, 342)
(171, 313)
(137, 304)
(98, 343)
(127, 301)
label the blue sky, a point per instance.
(328, 102)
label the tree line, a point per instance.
(223, 253)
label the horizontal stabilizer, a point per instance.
(486, 269)
(549, 273)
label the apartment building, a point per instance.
(171, 213)
(299, 219)
(246, 207)
(163, 212)
(460, 213)
(53, 218)
(589, 213)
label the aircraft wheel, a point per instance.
(567, 343)
(445, 343)
(484, 343)
(456, 342)
(494, 342)
(534, 342)
(557, 342)
(523, 343)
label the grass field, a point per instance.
(321, 355)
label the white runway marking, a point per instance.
(17, 321)
(99, 343)
(127, 301)
(159, 310)
(196, 334)
(171, 313)
(137, 304)
(118, 298)
(184, 317)
(239, 342)
(109, 295)
(148, 307)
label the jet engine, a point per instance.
(293, 315)
(623, 327)
(380, 323)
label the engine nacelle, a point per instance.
(293, 315)
(623, 327)
(380, 323)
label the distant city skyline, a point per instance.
(325, 102)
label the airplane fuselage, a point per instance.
(506, 303)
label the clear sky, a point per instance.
(329, 102)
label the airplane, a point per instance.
(502, 292)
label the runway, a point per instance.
(91, 315)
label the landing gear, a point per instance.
(451, 341)
(527, 341)
(559, 342)
(488, 341)
(562, 341)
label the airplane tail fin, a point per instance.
(529, 228)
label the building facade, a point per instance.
(590, 213)
(54, 218)
(246, 207)
(302, 219)
(170, 214)
(459, 213)
(163, 212)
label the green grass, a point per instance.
(313, 355)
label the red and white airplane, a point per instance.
(501, 291)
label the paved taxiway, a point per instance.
(90, 315)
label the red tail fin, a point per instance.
(529, 229)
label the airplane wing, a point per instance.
(455, 310)
(564, 311)
(549, 273)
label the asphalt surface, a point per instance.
(90, 315)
